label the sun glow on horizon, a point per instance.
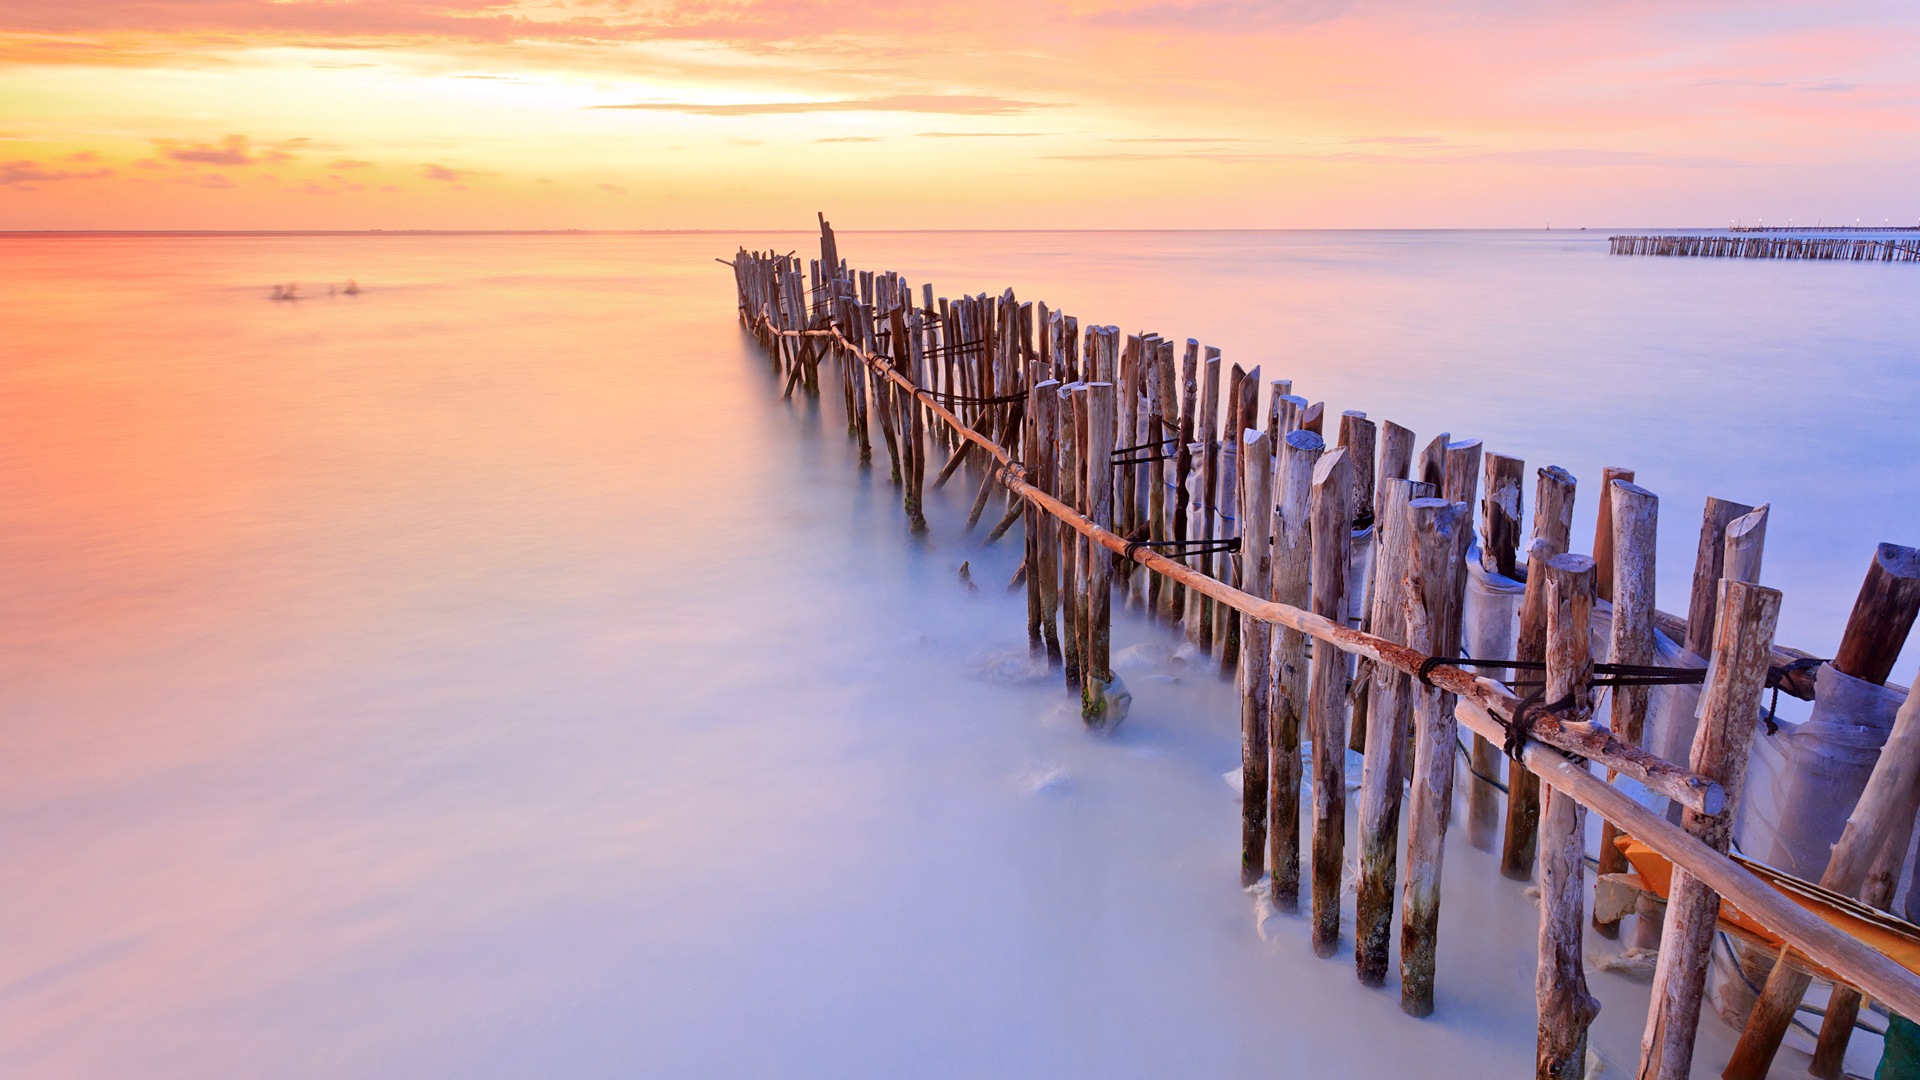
(477, 113)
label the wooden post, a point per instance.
(1746, 542)
(1882, 615)
(1045, 404)
(1166, 503)
(1709, 561)
(1462, 471)
(1067, 457)
(1437, 539)
(1499, 544)
(1500, 515)
(1256, 561)
(1239, 407)
(1358, 436)
(1185, 602)
(1207, 435)
(1096, 706)
(1633, 519)
(1332, 515)
(1560, 982)
(1552, 526)
(1396, 457)
(1729, 707)
(1843, 1005)
(1300, 453)
(1382, 770)
(1603, 548)
(1432, 466)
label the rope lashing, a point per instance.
(1141, 454)
(1177, 548)
(950, 399)
(1780, 673)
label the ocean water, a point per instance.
(489, 675)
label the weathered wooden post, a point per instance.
(1552, 527)
(1886, 800)
(1068, 457)
(1101, 703)
(1437, 541)
(1709, 566)
(1499, 548)
(1560, 982)
(1332, 538)
(1633, 519)
(1186, 603)
(1166, 432)
(1256, 562)
(1292, 575)
(1882, 615)
(1044, 399)
(1387, 719)
(1729, 708)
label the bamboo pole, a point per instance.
(1332, 512)
(1292, 573)
(1552, 524)
(1729, 708)
(1388, 720)
(1438, 539)
(1560, 982)
(1256, 554)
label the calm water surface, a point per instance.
(488, 675)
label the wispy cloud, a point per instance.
(982, 134)
(14, 173)
(953, 104)
(233, 150)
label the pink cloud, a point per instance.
(30, 172)
(230, 151)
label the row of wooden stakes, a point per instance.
(1110, 452)
(1768, 247)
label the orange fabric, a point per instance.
(1897, 940)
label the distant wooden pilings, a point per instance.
(1847, 249)
(1155, 482)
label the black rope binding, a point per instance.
(1177, 548)
(949, 399)
(1141, 454)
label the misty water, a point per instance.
(490, 675)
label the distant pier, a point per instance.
(1769, 247)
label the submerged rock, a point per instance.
(1104, 706)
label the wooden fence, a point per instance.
(1128, 460)
(1768, 247)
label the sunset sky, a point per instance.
(159, 114)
